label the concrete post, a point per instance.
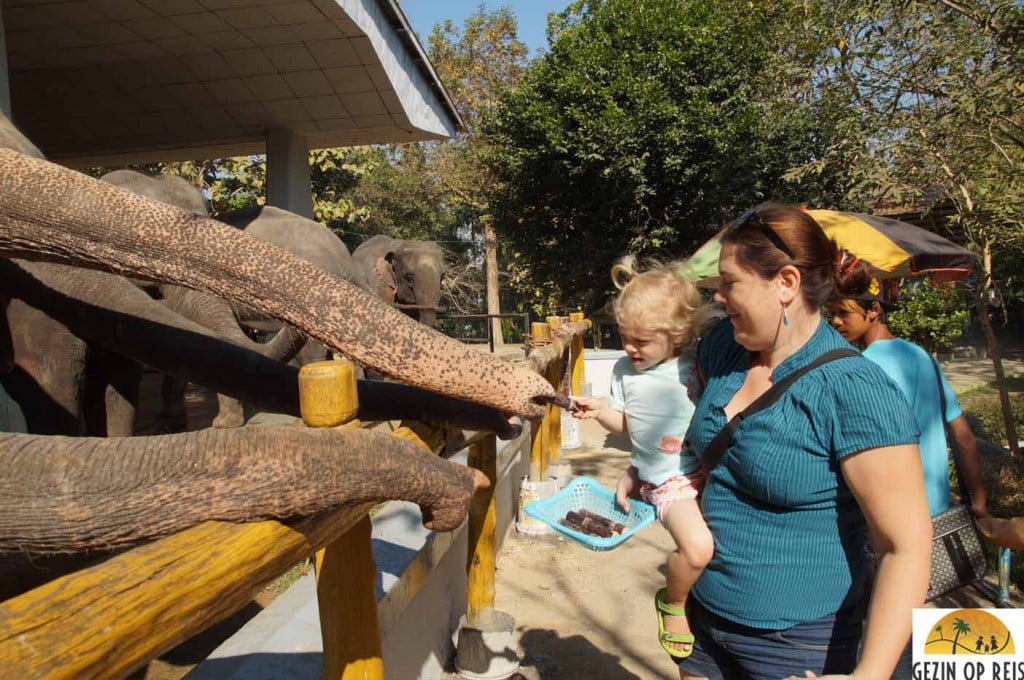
(5, 78)
(288, 176)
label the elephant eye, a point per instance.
(410, 278)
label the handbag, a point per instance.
(958, 555)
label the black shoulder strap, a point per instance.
(713, 452)
(965, 495)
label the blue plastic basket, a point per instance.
(587, 493)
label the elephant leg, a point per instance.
(6, 343)
(230, 412)
(47, 376)
(111, 395)
(216, 314)
(312, 352)
(172, 400)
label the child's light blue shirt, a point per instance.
(658, 411)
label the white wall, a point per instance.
(597, 367)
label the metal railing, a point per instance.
(488, 335)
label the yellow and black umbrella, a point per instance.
(893, 247)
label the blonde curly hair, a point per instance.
(662, 297)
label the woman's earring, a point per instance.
(785, 316)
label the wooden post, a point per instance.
(483, 523)
(554, 416)
(346, 575)
(576, 357)
(540, 334)
(539, 450)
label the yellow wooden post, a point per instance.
(540, 335)
(577, 371)
(554, 416)
(539, 450)
(483, 523)
(346, 575)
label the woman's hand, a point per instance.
(588, 408)
(627, 487)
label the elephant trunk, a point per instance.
(216, 314)
(70, 493)
(111, 312)
(428, 317)
(48, 212)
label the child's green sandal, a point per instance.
(665, 638)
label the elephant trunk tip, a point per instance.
(452, 512)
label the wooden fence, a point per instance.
(111, 619)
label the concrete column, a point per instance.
(288, 176)
(5, 79)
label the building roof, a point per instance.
(102, 82)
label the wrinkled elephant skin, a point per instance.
(200, 307)
(72, 494)
(85, 222)
(304, 238)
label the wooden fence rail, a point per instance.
(110, 619)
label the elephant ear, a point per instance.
(386, 273)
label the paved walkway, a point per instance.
(967, 374)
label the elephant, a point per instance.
(74, 495)
(303, 238)
(207, 310)
(406, 273)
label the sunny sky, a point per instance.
(531, 14)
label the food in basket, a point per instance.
(591, 523)
(616, 527)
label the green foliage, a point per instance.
(985, 416)
(931, 93)
(932, 316)
(646, 126)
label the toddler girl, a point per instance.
(659, 313)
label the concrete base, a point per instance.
(529, 492)
(560, 474)
(487, 649)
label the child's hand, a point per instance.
(587, 407)
(627, 487)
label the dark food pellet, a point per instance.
(591, 524)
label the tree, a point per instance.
(933, 92)
(645, 127)
(476, 64)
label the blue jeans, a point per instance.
(729, 651)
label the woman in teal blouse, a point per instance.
(804, 482)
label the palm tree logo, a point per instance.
(965, 631)
(960, 626)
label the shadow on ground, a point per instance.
(550, 655)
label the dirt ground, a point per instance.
(581, 614)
